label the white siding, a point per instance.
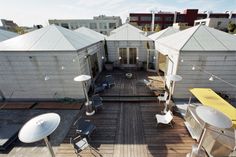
(140, 45)
(222, 64)
(22, 73)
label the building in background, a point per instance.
(13, 27)
(165, 19)
(217, 23)
(102, 24)
(8, 25)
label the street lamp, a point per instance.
(173, 79)
(84, 78)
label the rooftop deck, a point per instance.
(129, 129)
(124, 128)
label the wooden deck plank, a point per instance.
(129, 128)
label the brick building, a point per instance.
(165, 19)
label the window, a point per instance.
(112, 25)
(134, 18)
(123, 55)
(218, 23)
(180, 19)
(102, 25)
(203, 22)
(146, 18)
(169, 18)
(73, 26)
(65, 25)
(158, 18)
(132, 55)
(93, 25)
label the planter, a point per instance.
(108, 66)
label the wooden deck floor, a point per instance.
(129, 130)
(128, 87)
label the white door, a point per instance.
(128, 56)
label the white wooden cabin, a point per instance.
(42, 64)
(128, 45)
(161, 60)
(210, 51)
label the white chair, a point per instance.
(165, 119)
(163, 98)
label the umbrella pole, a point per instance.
(49, 146)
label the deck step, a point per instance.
(129, 98)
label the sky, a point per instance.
(30, 12)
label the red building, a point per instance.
(165, 19)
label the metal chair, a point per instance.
(97, 88)
(109, 80)
(163, 98)
(97, 102)
(80, 144)
(165, 119)
(85, 128)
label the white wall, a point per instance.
(222, 64)
(141, 45)
(22, 74)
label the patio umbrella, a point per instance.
(88, 104)
(211, 117)
(39, 128)
(172, 78)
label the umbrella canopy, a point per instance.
(213, 117)
(82, 78)
(174, 77)
(39, 127)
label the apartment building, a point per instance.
(102, 24)
(166, 19)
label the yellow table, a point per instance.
(209, 98)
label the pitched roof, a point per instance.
(91, 33)
(4, 35)
(199, 38)
(49, 38)
(127, 32)
(163, 33)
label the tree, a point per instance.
(157, 28)
(19, 30)
(145, 28)
(231, 27)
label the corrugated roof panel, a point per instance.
(48, 38)
(177, 40)
(228, 40)
(128, 32)
(206, 41)
(199, 38)
(4, 35)
(91, 33)
(163, 33)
